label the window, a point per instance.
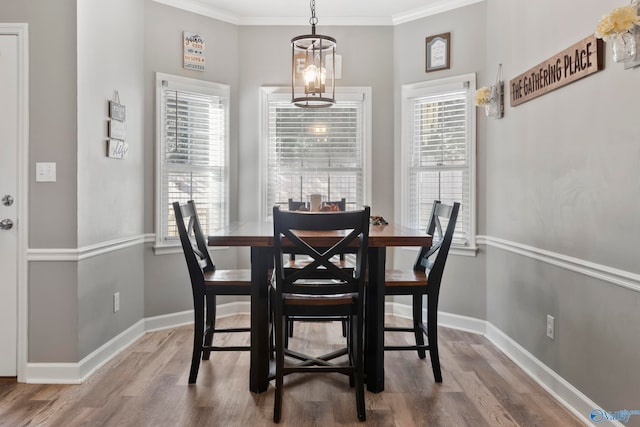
(192, 152)
(438, 152)
(316, 150)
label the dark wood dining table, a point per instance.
(259, 237)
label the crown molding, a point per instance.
(201, 8)
(433, 9)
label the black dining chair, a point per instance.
(294, 206)
(320, 288)
(206, 283)
(424, 280)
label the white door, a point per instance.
(8, 205)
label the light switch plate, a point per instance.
(45, 172)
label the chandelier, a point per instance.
(313, 68)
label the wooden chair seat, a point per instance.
(240, 277)
(405, 278)
(305, 299)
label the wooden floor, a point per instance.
(147, 386)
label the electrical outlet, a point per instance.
(551, 327)
(116, 302)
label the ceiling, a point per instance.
(328, 12)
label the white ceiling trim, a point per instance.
(401, 18)
(202, 9)
(433, 9)
(323, 21)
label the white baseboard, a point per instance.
(565, 393)
(77, 373)
(186, 317)
(561, 390)
(558, 387)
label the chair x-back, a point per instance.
(320, 288)
(340, 205)
(206, 283)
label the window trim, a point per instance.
(162, 246)
(432, 87)
(350, 92)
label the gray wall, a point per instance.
(52, 206)
(463, 284)
(52, 116)
(70, 302)
(166, 277)
(562, 176)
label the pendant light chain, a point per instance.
(313, 20)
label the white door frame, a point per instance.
(22, 196)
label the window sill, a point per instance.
(455, 250)
(169, 249)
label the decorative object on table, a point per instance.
(573, 63)
(621, 28)
(313, 68)
(193, 46)
(117, 148)
(315, 202)
(377, 220)
(492, 97)
(330, 207)
(438, 52)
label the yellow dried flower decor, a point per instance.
(619, 21)
(483, 96)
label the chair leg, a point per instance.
(432, 336)
(344, 328)
(211, 324)
(357, 344)
(280, 327)
(417, 323)
(198, 331)
(289, 330)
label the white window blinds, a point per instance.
(193, 147)
(440, 160)
(319, 150)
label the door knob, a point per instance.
(6, 224)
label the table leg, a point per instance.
(374, 318)
(260, 352)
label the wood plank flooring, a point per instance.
(147, 386)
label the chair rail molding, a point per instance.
(612, 275)
(79, 254)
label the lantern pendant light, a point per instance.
(313, 59)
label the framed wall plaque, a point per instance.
(438, 52)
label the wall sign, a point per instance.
(438, 52)
(193, 51)
(580, 60)
(117, 148)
